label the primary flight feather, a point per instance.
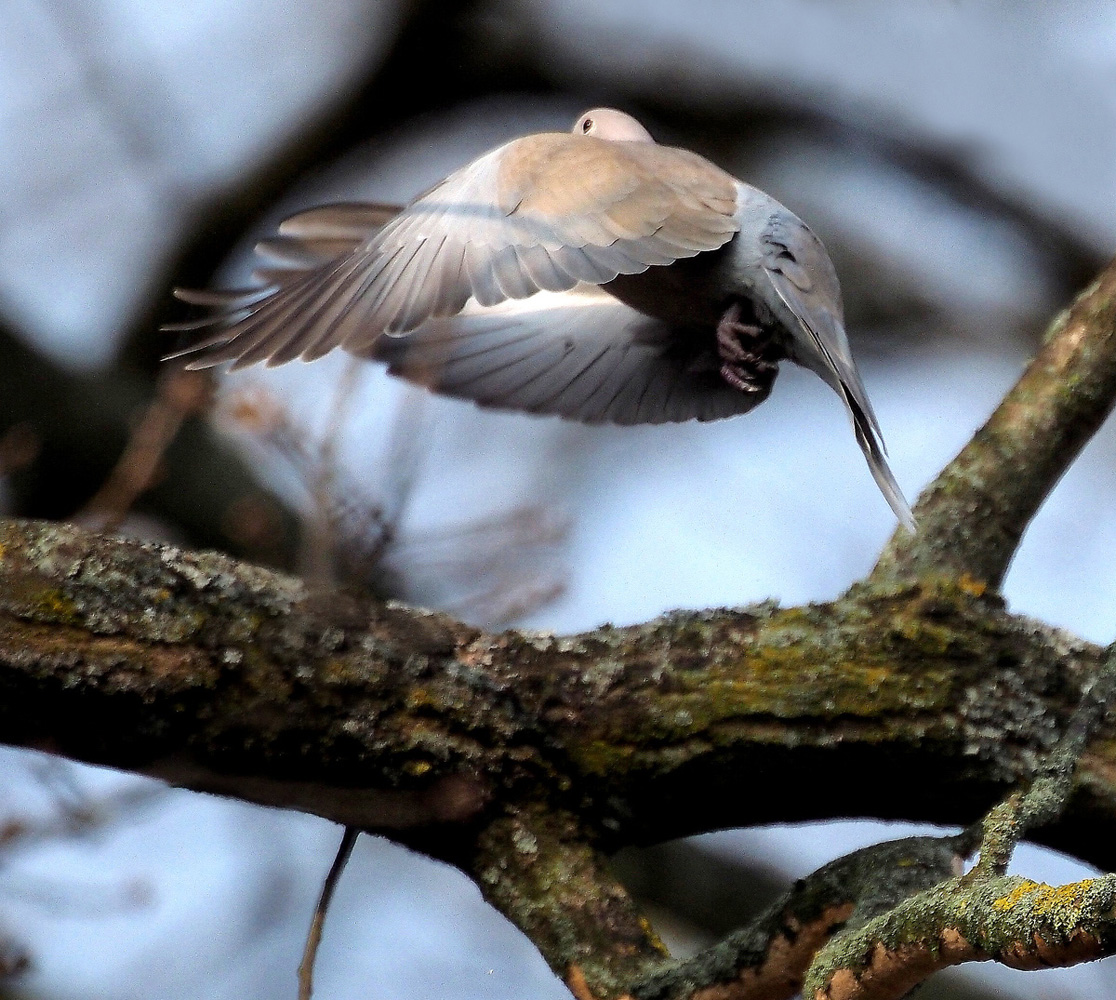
(592, 274)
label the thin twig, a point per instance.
(314, 935)
(180, 394)
(320, 536)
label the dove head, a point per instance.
(608, 123)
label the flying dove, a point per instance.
(592, 274)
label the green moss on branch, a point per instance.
(1020, 923)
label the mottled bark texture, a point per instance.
(983, 914)
(231, 678)
(525, 758)
(769, 957)
(1023, 924)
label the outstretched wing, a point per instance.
(581, 354)
(542, 213)
(803, 278)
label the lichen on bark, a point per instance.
(525, 758)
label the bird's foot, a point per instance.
(741, 347)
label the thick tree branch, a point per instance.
(231, 678)
(972, 517)
(225, 677)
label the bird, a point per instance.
(594, 274)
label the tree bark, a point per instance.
(524, 757)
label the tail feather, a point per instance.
(838, 369)
(871, 444)
(840, 372)
(805, 285)
(867, 428)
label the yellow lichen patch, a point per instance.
(971, 585)
(54, 605)
(602, 757)
(1021, 891)
(652, 936)
(1042, 897)
(2, 550)
(419, 697)
(417, 768)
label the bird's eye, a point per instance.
(587, 126)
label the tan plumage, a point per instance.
(591, 274)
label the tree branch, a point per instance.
(539, 867)
(1012, 920)
(225, 677)
(972, 517)
(524, 757)
(78, 425)
(767, 959)
(983, 914)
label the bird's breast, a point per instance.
(694, 291)
(686, 291)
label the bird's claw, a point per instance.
(741, 348)
(746, 379)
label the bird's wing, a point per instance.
(545, 212)
(315, 236)
(581, 354)
(804, 279)
(308, 239)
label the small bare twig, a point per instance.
(180, 394)
(76, 815)
(320, 541)
(317, 922)
(491, 570)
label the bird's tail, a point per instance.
(803, 279)
(868, 435)
(871, 443)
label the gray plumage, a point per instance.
(594, 274)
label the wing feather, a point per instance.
(542, 213)
(582, 354)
